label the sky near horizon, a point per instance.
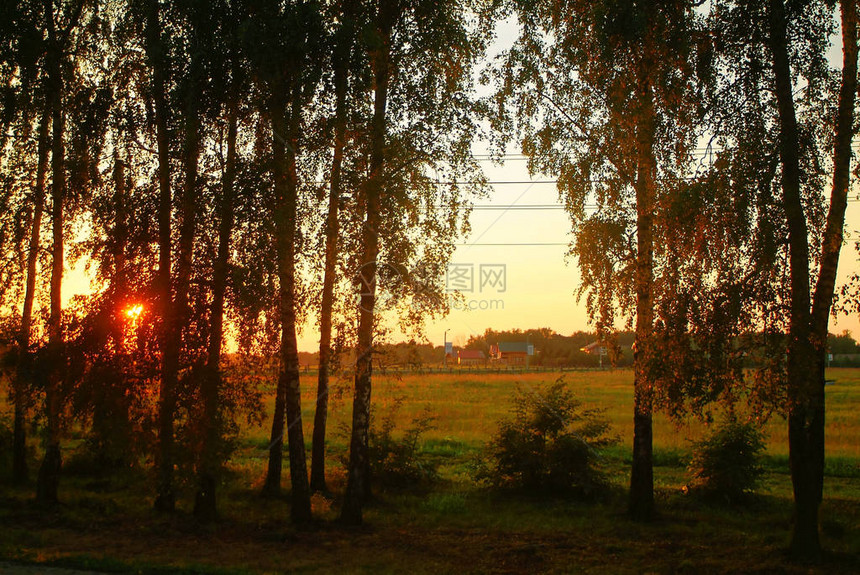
(526, 286)
(539, 281)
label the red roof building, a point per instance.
(511, 352)
(470, 357)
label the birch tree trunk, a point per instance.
(341, 73)
(24, 376)
(205, 503)
(165, 500)
(803, 398)
(49, 473)
(641, 503)
(357, 483)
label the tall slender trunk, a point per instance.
(300, 511)
(165, 499)
(190, 193)
(272, 483)
(277, 107)
(341, 73)
(357, 483)
(205, 504)
(111, 426)
(49, 473)
(120, 231)
(119, 283)
(803, 398)
(120, 389)
(833, 233)
(24, 375)
(641, 504)
(288, 400)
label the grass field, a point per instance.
(455, 526)
(469, 405)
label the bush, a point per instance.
(726, 465)
(550, 445)
(396, 460)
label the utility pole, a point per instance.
(527, 351)
(445, 349)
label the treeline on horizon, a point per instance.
(556, 350)
(226, 168)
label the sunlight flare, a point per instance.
(133, 311)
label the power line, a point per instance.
(540, 244)
(513, 244)
(528, 207)
(551, 181)
(518, 157)
(523, 207)
(529, 182)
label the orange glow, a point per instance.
(134, 311)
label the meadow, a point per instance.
(468, 405)
(454, 525)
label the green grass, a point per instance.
(468, 407)
(453, 525)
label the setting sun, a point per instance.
(134, 311)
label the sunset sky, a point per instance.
(541, 283)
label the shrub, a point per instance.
(551, 444)
(726, 465)
(395, 459)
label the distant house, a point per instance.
(510, 352)
(594, 348)
(470, 357)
